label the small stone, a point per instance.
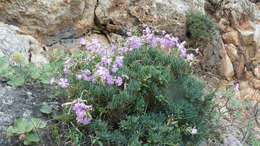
(232, 52)
(227, 68)
(20, 46)
(257, 35)
(257, 57)
(231, 141)
(256, 83)
(231, 38)
(257, 72)
(223, 25)
(247, 36)
(29, 93)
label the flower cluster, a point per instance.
(67, 64)
(62, 82)
(111, 58)
(166, 41)
(82, 112)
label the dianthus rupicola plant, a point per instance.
(136, 94)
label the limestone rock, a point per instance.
(232, 52)
(247, 36)
(246, 91)
(232, 141)
(227, 67)
(101, 39)
(161, 14)
(235, 11)
(13, 41)
(224, 25)
(257, 72)
(116, 39)
(231, 38)
(256, 83)
(257, 57)
(113, 13)
(257, 35)
(49, 17)
(212, 54)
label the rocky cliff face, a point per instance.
(59, 23)
(48, 18)
(165, 15)
(238, 21)
(67, 18)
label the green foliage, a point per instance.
(28, 128)
(200, 27)
(256, 142)
(75, 136)
(20, 74)
(46, 109)
(159, 104)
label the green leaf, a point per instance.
(45, 79)
(21, 126)
(46, 109)
(161, 98)
(5, 70)
(31, 138)
(34, 71)
(38, 123)
(10, 131)
(17, 81)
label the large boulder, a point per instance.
(212, 55)
(120, 15)
(227, 68)
(236, 11)
(47, 18)
(13, 41)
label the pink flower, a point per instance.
(194, 131)
(197, 50)
(183, 51)
(82, 41)
(119, 61)
(134, 42)
(119, 81)
(123, 50)
(79, 76)
(110, 80)
(81, 110)
(106, 61)
(147, 30)
(63, 83)
(190, 57)
(237, 87)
